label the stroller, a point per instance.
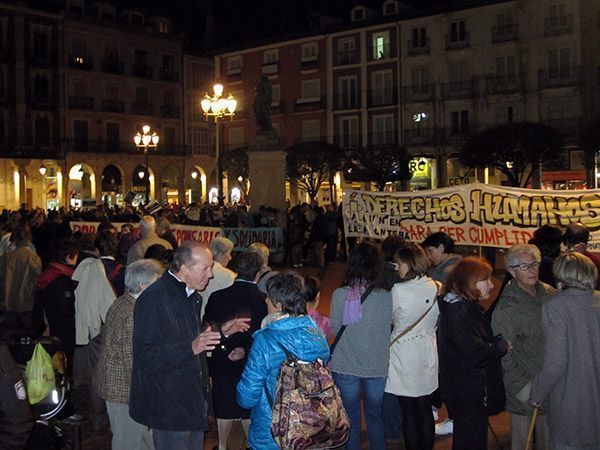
(53, 413)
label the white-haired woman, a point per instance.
(568, 384)
(223, 277)
(518, 318)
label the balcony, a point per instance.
(141, 71)
(343, 58)
(418, 47)
(348, 140)
(383, 138)
(505, 33)
(560, 77)
(113, 106)
(81, 103)
(458, 42)
(419, 93)
(459, 89)
(41, 103)
(271, 67)
(169, 111)
(379, 52)
(12, 146)
(112, 66)
(347, 101)
(503, 84)
(382, 97)
(558, 25)
(570, 128)
(419, 136)
(456, 135)
(81, 62)
(44, 59)
(310, 103)
(142, 109)
(303, 139)
(168, 75)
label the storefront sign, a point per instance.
(472, 214)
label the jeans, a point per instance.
(350, 387)
(178, 440)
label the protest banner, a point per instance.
(241, 237)
(471, 214)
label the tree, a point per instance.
(380, 164)
(515, 149)
(235, 163)
(309, 164)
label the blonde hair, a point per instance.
(262, 250)
(573, 269)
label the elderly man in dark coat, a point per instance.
(169, 385)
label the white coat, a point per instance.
(413, 368)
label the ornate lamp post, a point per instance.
(145, 140)
(218, 107)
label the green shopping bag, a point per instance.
(39, 375)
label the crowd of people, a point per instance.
(161, 335)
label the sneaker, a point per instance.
(445, 427)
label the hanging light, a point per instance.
(42, 170)
(141, 174)
(194, 174)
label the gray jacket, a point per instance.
(518, 318)
(364, 349)
(441, 271)
(569, 382)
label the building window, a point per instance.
(358, 14)
(270, 57)
(275, 95)
(419, 38)
(506, 69)
(381, 45)
(348, 137)
(40, 44)
(390, 7)
(458, 31)
(80, 134)
(420, 78)
(346, 51)
(559, 63)
(310, 52)
(347, 93)
(505, 114)
(112, 91)
(164, 26)
(459, 121)
(234, 65)
(111, 53)
(41, 88)
(170, 141)
(311, 91)
(168, 66)
(141, 95)
(113, 136)
(383, 129)
(311, 130)
(42, 132)
(459, 71)
(239, 96)
(382, 88)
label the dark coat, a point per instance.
(169, 385)
(469, 355)
(15, 415)
(241, 299)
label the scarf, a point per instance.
(352, 306)
(53, 271)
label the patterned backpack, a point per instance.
(307, 410)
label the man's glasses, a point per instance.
(526, 266)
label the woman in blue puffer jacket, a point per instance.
(291, 328)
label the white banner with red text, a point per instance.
(471, 214)
(241, 237)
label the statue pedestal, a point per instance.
(267, 179)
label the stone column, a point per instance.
(267, 180)
(22, 167)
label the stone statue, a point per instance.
(262, 105)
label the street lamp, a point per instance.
(146, 139)
(218, 108)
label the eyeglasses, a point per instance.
(526, 266)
